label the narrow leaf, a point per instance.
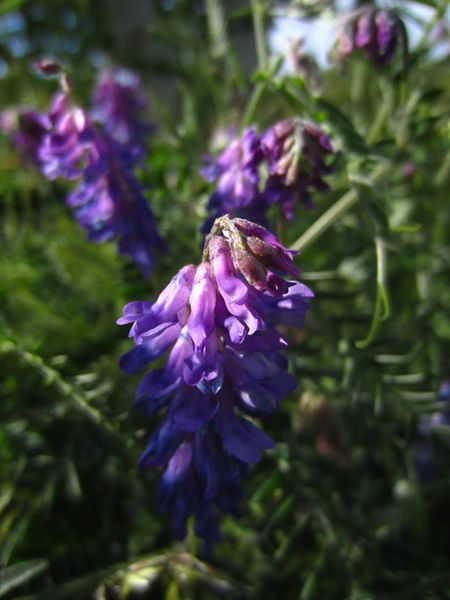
(18, 574)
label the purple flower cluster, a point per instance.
(118, 104)
(296, 152)
(280, 167)
(108, 201)
(65, 143)
(375, 31)
(216, 323)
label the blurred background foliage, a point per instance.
(353, 501)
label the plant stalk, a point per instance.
(259, 13)
(333, 214)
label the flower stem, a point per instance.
(382, 115)
(382, 306)
(258, 12)
(53, 377)
(258, 93)
(253, 104)
(428, 29)
(443, 172)
(326, 220)
(329, 217)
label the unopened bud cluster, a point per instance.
(377, 32)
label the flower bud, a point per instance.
(375, 31)
(47, 67)
(254, 253)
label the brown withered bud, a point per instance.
(249, 266)
(47, 67)
(255, 251)
(265, 246)
(269, 256)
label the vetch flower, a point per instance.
(236, 169)
(215, 324)
(297, 153)
(283, 166)
(64, 150)
(237, 177)
(378, 32)
(119, 105)
(108, 201)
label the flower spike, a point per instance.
(216, 324)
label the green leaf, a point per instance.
(18, 574)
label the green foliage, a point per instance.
(337, 510)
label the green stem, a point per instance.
(253, 104)
(53, 377)
(443, 172)
(382, 307)
(438, 15)
(326, 220)
(258, 12)
(217, 26)
(401, 135)
(258, 93)
(358, 82)
(381, 117)
(333, 214)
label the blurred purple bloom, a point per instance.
(237, 177)
(109, 201)
(236, 170)
(296, 152)
(441, 417)
(444, 393)
(282, 166)
(216, 324)
(119, 105)
(375, 31)
(65, 143)
(408, 169)
(426, 456)
(66, 148)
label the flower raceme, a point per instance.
(108, 201)
(281, 167)
(215, 322)
(66, 143)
